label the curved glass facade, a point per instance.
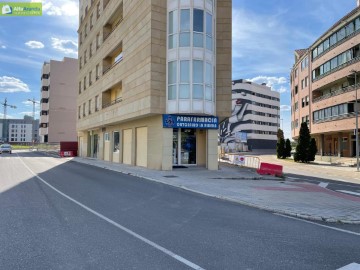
(191, 57)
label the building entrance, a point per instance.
(184, 146)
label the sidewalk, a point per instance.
(245, 186)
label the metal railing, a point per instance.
(337, 92)
(113, 102)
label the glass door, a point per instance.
(184, 147)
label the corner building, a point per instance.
(154, 81)
(324, 87)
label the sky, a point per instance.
(265, 34)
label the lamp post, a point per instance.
(356, 122)
(33, 125)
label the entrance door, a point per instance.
(184, 147)
(96, 144)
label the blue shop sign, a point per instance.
(190, 121)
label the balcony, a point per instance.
(112, 96)
(115, 19)
(114, 58)
(337, 92)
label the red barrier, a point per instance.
(272, 169)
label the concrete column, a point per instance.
(322, 144)
(212, 149)
(167, 147)
(339, 150)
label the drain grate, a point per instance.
(170, 176)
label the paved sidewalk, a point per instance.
(245, 186)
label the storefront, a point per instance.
(189, 137)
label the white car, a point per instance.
(5, 148)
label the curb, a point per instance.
(261, 207)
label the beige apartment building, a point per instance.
(58, 101)
(324, 84)
(154, 81)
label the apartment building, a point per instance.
(254, 118)
(58, 101)
(154, 81)
(325, 83)
(22, 131)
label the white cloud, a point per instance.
(59, 7)
(34, 44)
(270, 81)
(12, 85)
(3, 47)
(285, 108)
(65, 46)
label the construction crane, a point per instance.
(33, 128)
(5, 105)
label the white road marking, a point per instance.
(351, 266)
(321, 225)
(134, 234)
(292, 177)
(349, 192)
(323, 184)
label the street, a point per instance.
(59, 214)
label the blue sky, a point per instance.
(265, 35)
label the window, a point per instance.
(198, 28)
(173, 26)
(209, 30)
(106, 137)
(172, 79)
(184, 88)
(80, 87)
(80, 62)
(296, 73)
(116, 141)
(302, 84)
(90, 78)
(97, 71)
(85, 29)
(98, 41)
(341, 34)
(296, 89)
(89, 107)
(296, 106)
(198, 79)
(98, 10)
(90, 50)
(184, 40)
(91, 21)
(304, 63)
(84, 110)
(333, 39)
(306, 81)
(96, 103)
(84, 83)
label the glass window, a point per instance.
(185, 71)
(333, 63)
(208, 74)
(185, 20)
(116, 141)
(172, 41)
(350, 29)
(184, 39)
(327, 67)
(184, 91)
(198, 23)
(208, 93)
(209, 43)
(198, 71)
(320, 48)
(198, 40)
(333, 39)
(198, 91)
(172, 72)
(357, 24)
(314, 53)
(326, 44)
(341, 34)
(173, 29)
(172, 92)
(208, 24)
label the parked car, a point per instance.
(5, 148)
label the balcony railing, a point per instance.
(113, 65)
(118, 100)
(337, 92)
(112, 30)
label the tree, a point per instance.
(312, 150)
(280, 134)
(303, 152)
(280, 148)
(287, 152)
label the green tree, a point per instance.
(312, 150)
(287, 152)
(280, 134)
(280, 148)
(303, 146)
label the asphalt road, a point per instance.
(57, 214)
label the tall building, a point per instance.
(254, 119)
(58, 101)
(154, 81)
(325, 82)
(19, 130)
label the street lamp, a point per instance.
(33, 125)
(356, 121)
